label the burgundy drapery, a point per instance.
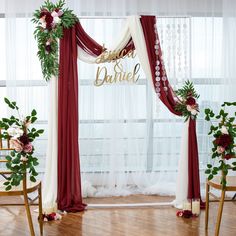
(90, 46)
(148, 23)
(69, 195)
(69, 183)
(193, 165)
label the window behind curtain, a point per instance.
(203, 58)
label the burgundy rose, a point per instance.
(187, 214)
(24, 139)
(190, 101)
(51, 216)
(43, 13)
(228, 156)
(49, 20)
(48, 48)
(224, 140)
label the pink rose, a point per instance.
(220, 149)
(16, 144)
(189, 108)
(28, 148)
(179, 213)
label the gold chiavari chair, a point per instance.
(22, 190)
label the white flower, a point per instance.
(56, 20)
(194, 112)
(54, 14)
(23, 158)
(224, 130)
(58, 216)
(15, 132)
(43, 22)
(44, 25)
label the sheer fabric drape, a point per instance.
(211, 67)
(126, 179)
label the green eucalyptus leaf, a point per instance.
(8, 188)
(33, 119)
(8, 158)
(32, 178)
(210, 177)
(40, 131)
(7, 101)
(33, 113)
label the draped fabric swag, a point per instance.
(139, 33)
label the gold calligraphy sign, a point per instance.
(119, 75)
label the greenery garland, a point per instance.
(224, 133)
(187, 106)
(51, 19)
(21, 137)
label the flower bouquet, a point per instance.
(51, 19)
(21, 137)
(224, 133)
(187, 105)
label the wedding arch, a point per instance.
(62, 185)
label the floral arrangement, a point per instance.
(21, 137)
(187, 105)
(184, 213)
(51, 19)
(224, 133)
(52, 216)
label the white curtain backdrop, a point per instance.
(123, 128)
(129, 161)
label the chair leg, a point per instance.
(40, 209)
(217, 230)
(27, 207)
(207, 205)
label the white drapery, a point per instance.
(133, 29)
(50, 177)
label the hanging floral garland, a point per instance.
(223, 131)
(51, 19)
(188, 105)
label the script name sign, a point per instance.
(119, 75)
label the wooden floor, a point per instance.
(147, 221)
